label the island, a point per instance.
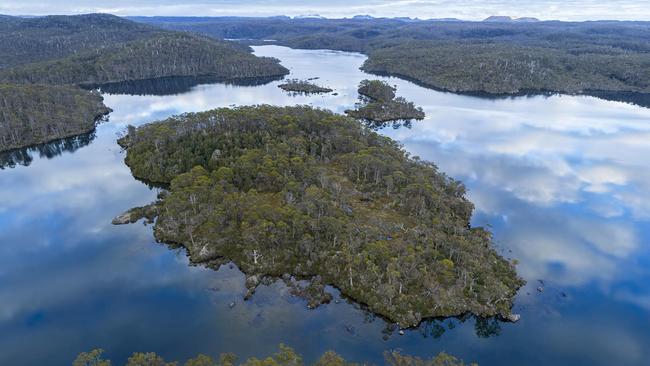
(36, 114)
(307, 193)
(382, 106)
(46, 61)
(303, 87)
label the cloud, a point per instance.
(463, 9)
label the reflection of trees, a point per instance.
(24, 156)
(174, 85)
(487, 327)
(435, 328)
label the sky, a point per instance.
(463, 9)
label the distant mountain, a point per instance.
(445, 20)
(362, 17)
(309, 16)
(507, 19)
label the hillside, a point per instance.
(497, 57)
(165, 55)
(304, 192)
(28, 40)
(32, 115)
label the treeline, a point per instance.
(284, 357)
(87, 50)
(31, 115)
(307, 193)
(490, 57)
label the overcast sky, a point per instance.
(464, 9)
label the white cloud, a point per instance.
(464, 9)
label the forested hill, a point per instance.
(27, 40)
(308, 193)
(491, 57)
(164, 55)
(31, 115)
(91, 49)
(98, 48)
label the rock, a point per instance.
(123, 219)
(513, 318)
(252, 281)
(401, 332)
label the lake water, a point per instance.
(563, 182)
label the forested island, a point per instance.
(303, 192)
(46, 60)
(303, 87)
(382, 106)
(494, 57)
(285, 356)
(31, 115)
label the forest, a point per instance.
(379, 106)
(461, 56)
(304, 192)
(285, 356)
(46, 59)
(31, 115)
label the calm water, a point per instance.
(563, 182)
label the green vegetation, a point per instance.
(486, 57)
(284, 357)
(304, 192)
(382, 106)
(31, 115)
(303, 86)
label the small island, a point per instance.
(382, 106)
(306, 193)
(36, 114)
(303, 87)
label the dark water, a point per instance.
(563, 181)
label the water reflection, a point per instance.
(24, 156)
(174, 85)
(562, 181)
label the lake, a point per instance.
(562, 181)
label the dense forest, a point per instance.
(87, 50)
(31, 115)
(284, 357)
(303, 192)
(380, 106)
(495, 57)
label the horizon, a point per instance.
(466, 10)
